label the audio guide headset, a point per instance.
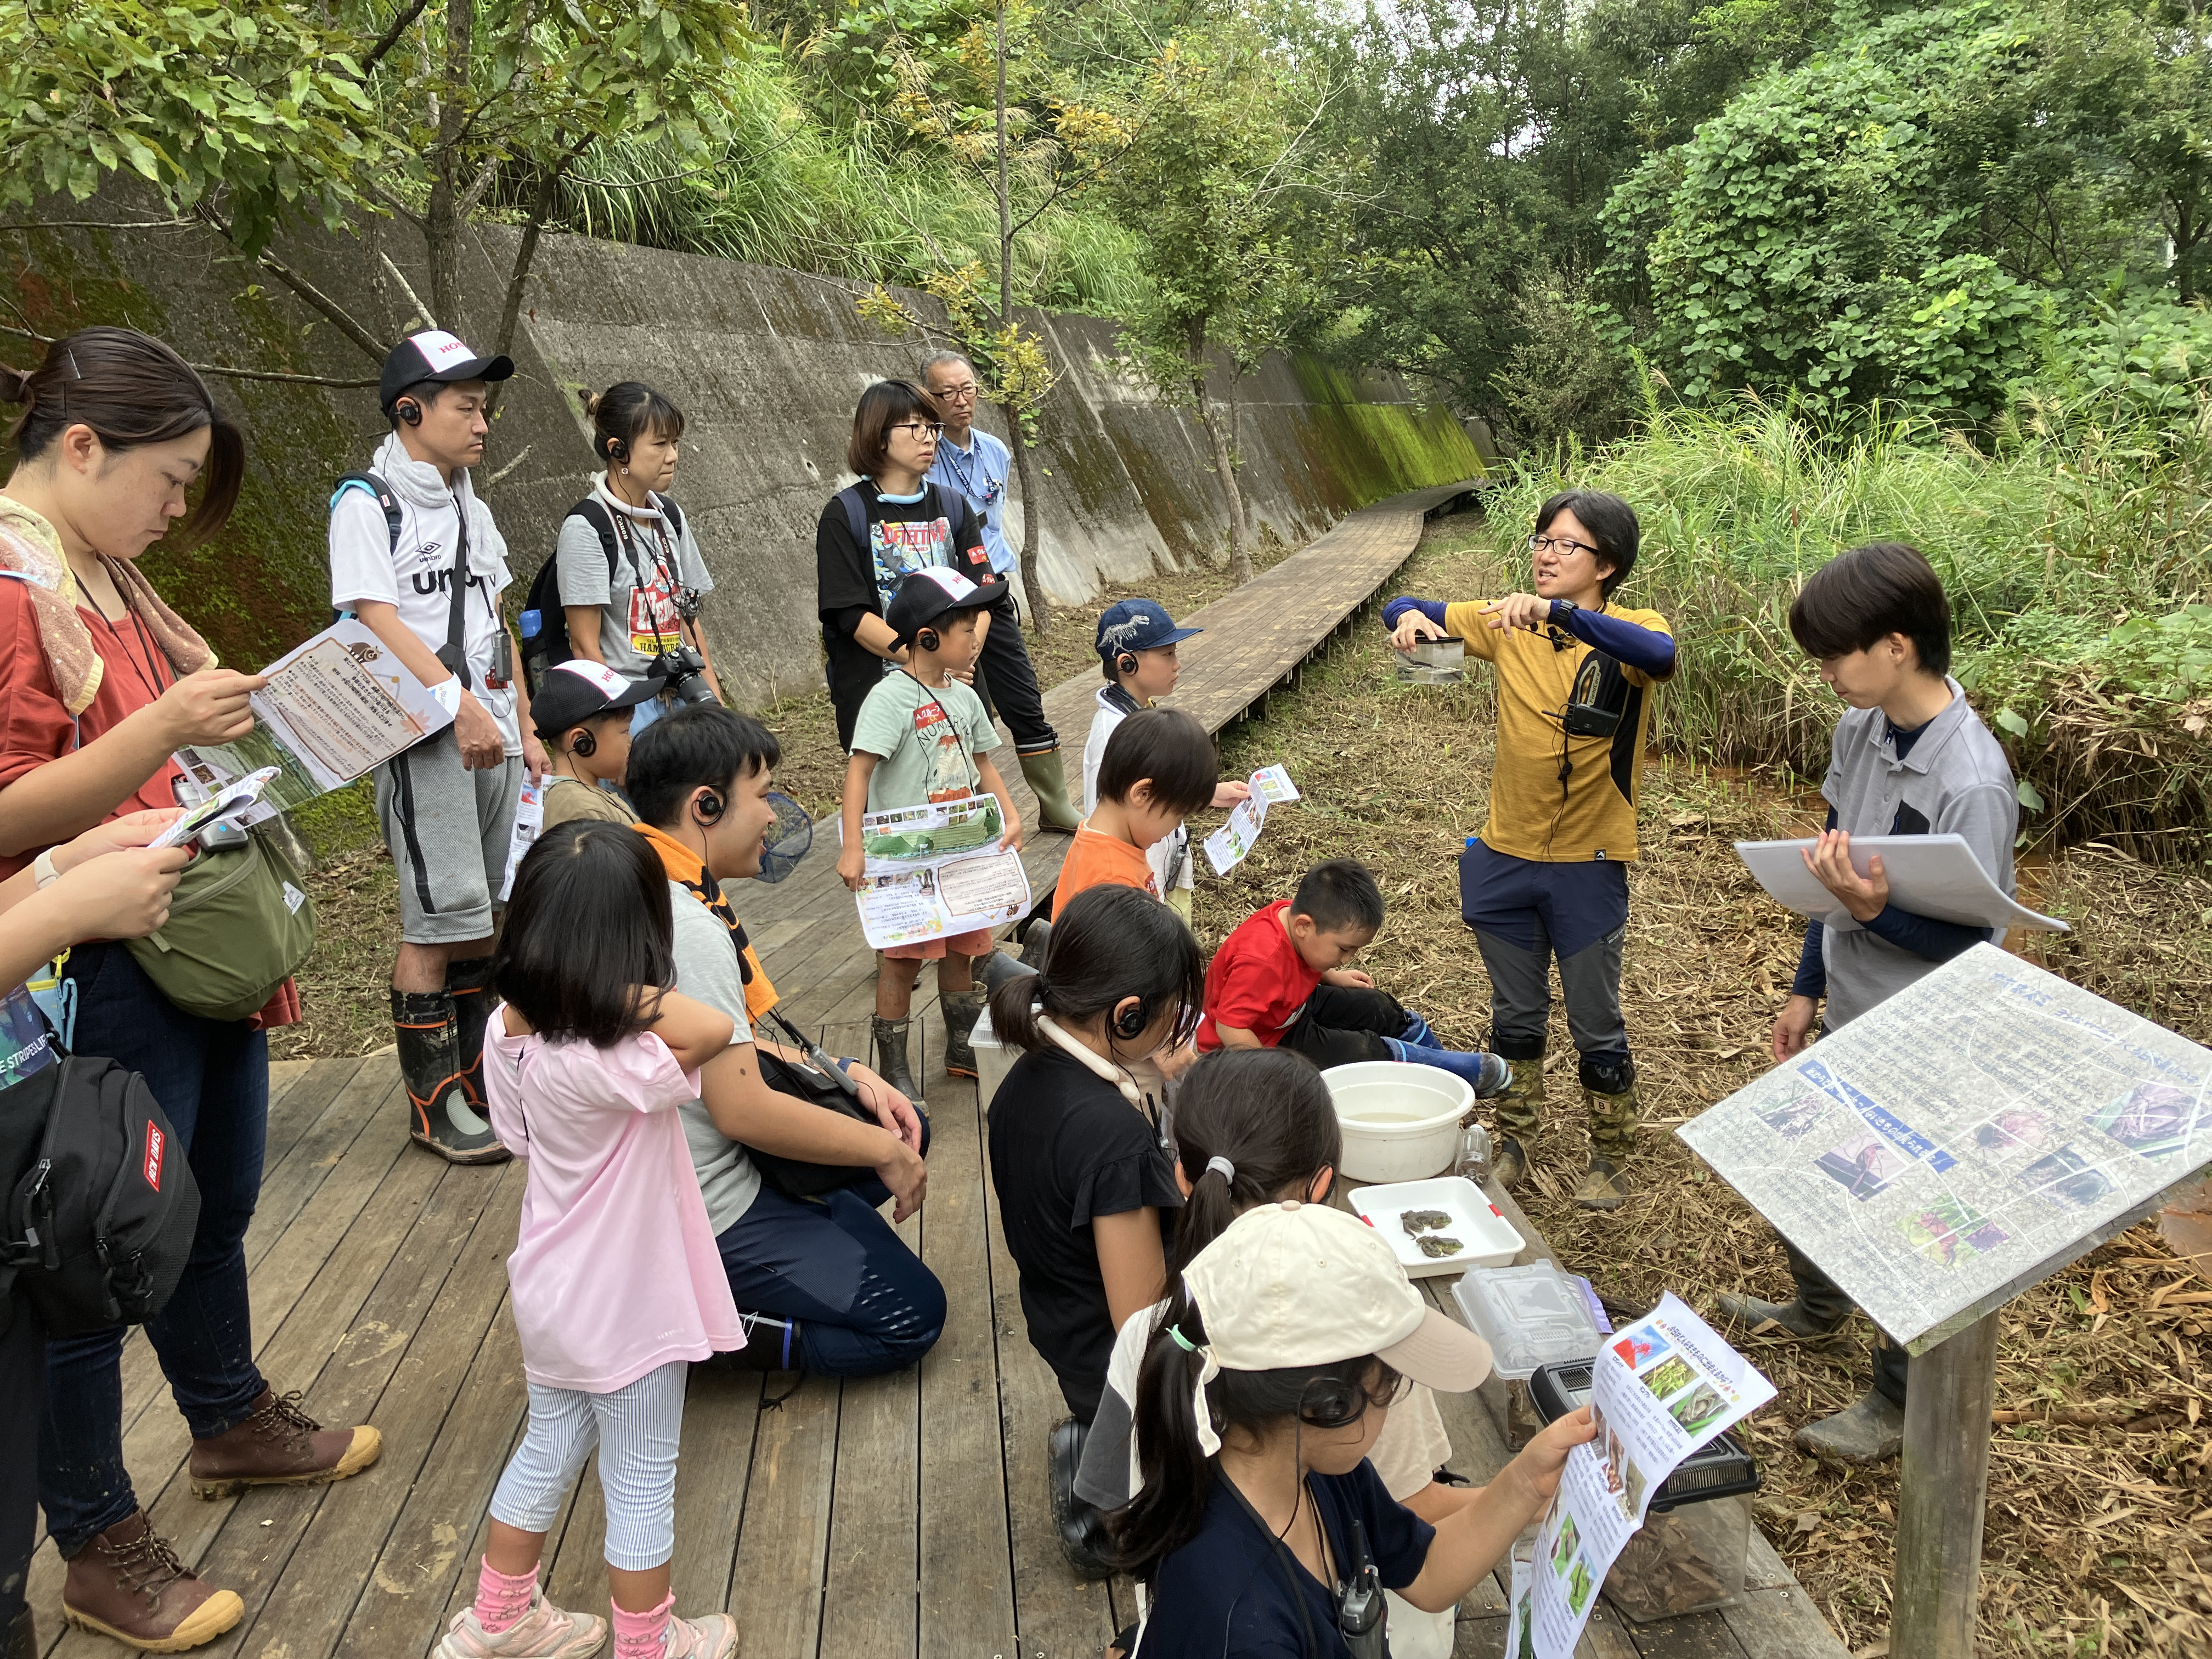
(409, 411)
(1126, 664)
(618, 450)
(1131, 1025)
(583, 743)
(925, 639)
(709, 807)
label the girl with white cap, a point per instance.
(1262, 1527)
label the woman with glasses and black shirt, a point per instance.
(631, 572)
(896, 521)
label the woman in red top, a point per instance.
(100, 681)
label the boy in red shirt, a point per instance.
(1283, 979)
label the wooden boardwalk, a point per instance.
(900, 1517)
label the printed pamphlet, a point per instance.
(529, 819)
(1227, 847)
(938, 870)
(1660, 1389)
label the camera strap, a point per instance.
(454, 653)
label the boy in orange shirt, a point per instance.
(1159, 767)
(1284, 979)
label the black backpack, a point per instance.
(101, 1205)
(547, 643)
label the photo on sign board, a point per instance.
(1580, 1582)
(1795, 1120)
(1864, 1166)
(2066, 1179)
(1563, 1550)
(1669, 1377)
(1947, 1232)
(1638, 1348)
(1634, 1481)
(2153, 1119)
(1694, 1411)
(2014, 1129)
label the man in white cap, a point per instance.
(1260, 1510)
(415, 554)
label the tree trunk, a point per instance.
(442, 224)
(1025, 470)
(1224, 465)
(541, 209)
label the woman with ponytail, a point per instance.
(631, 573)
(1253, 1126)
(1087, 1194)
(99, 682)
(1268, 1376)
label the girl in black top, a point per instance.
(1087, 1192)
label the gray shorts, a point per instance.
(448, 830)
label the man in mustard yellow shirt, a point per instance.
(1548, 875)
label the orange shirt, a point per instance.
(1102, 860)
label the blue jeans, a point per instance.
(212, 1079)
(862, 1301)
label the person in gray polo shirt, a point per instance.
(1910, 759)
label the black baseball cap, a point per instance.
(926, 595)
(574, 692)
(434, 354)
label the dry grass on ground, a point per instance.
(2101, 1495)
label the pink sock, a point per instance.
(500, 1601)
(640, 1635)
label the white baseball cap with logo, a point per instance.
(434, 354)
(1295, 1284)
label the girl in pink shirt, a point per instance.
(615, 1281)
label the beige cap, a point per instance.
(1291, 1284)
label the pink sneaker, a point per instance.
(543, 1633)
(712, 1637)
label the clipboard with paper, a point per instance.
(1934, 875)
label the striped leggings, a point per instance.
(635, 1430)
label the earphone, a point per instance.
(925, 639)
(1126, 664)
(618, 449)
(583, 743)
(709, 808)
(1131, 1025)
(409, 411)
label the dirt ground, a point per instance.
(2100, 1493)
(2100, 1497)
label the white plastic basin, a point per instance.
(1400, 1122)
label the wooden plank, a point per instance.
(870, 1603)
(720, 1412)
(399, 1366)
(1058, 1615)
(1782, 1623)
(783, 1549)
(967, 1582)
(1696, 1636)
(1481, 1639)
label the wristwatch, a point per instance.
(1562, 609)
(42, 869)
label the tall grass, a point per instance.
(2069, 544)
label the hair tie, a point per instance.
(1228, 1170)
(1043, 987)
(1181, 1340)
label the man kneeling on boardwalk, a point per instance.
(822, 1283)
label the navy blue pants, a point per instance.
(212, 1079)
(1526, 914)
(831, 1282)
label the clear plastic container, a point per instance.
(1533, 1315)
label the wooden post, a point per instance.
(1949, 1390)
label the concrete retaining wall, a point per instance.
(766, 365)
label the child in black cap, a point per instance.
(582, 713)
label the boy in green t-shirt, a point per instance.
(923, 735)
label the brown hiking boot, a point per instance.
(128, 1583)
(279, 1445)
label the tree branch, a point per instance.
(413, 298)
(336, 314)
(399, 25)
(106, 224)
(215, 369)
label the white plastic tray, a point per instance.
(1491, 1239)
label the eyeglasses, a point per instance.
(1565, 547)
(957, 394)
(920, 429)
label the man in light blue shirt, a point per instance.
(974, 465)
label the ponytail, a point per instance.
(130, 390)
(1266, 1114)
(1109, 943)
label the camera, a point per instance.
(687, 604)
(684, 669)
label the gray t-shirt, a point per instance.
(637, 614)
(707, 971)
(927, 738)
(1954, 782)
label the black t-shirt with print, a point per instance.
(1066, 1147)
(851, 581)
